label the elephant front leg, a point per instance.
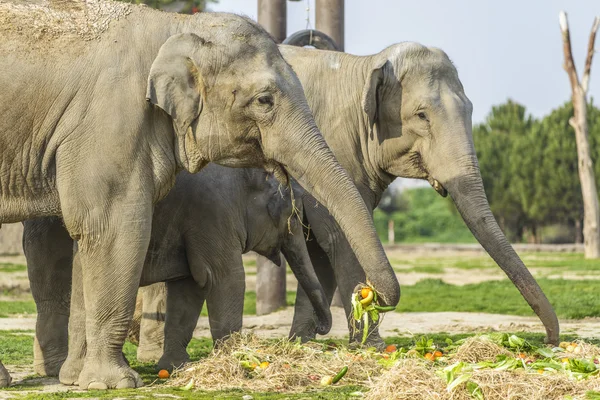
(304, 325)
(112, 248)
(152, 324)
(225, 300)
(49, 252)
(184, 303)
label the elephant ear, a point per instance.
(371, 91)
(175, 83)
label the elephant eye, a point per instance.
(266, 99)
(422, 116)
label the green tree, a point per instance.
(499, 142)
(557, 195)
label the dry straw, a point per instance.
(293, 367)
(479, 348)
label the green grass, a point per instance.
(9, 308)
(250, 263)
(328, 394)
(558, 262)
(570, 298)
(16, 347)
(8, 267)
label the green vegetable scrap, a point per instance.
(366, 309)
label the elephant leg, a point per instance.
(304, 324)
(112, 245)
(71, 368)
(349, 274)
(49, 252)
(5, 378)
(184, 303)
(225, 301)
(152, 324)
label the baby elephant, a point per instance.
(199, 233)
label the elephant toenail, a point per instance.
(126, 383)
(97, 386)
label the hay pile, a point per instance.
(416, 379)
(406, 374)
(409, 380)
(479, 348)
(293, 367)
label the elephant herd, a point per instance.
(111, 115)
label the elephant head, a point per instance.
(419, 120)
(233, 100)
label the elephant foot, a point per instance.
(49, 366)
(171, 361)
(99, 374)
(306, 331)
(70, 370)
(5, 378)
(149, 353)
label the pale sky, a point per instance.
(502, 48)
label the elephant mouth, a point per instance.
(278, 171)
(438, 187)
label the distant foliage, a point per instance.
(529, 168)
(423, 216)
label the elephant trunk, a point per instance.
(466, 189)
(296, 254)
(305, 155)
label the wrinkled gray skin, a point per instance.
(199, 233)
(97, 122)
(399, 113)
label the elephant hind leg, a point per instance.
(71, 368)
(49, 252)
(152, 322)
(5, 378)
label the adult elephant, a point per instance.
(104, 102)
(399, 113)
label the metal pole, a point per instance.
(330, 19)
(272, 15)
(270, 279)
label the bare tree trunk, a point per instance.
(270, 279)
(591, 211)
(391, 232)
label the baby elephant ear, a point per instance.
(175, 83)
